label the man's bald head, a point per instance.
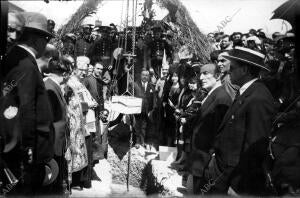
(209, 76)
(210, 68)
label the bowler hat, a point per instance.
(36, 22)
(248, 56)
(51, 172)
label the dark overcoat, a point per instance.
(205, 128)
(147, 96)
(58, 105)
(239, 147)
(34, 111)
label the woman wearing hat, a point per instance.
(185, 101)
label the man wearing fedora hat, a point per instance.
(235, 165)
(31, 104)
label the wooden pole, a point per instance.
(129, 152)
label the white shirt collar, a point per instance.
(218, 84)
(145, 85)
(28, 50)
(247, 85)
(53, 79)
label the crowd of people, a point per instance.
(233, 119)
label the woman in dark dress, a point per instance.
(171, 95)
(186, 98)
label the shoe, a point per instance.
(181, 160)
(175, 166)
(79, 188)
(182, 190)
(175, 163)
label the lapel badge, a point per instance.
(10, 112)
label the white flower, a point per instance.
(10, 112)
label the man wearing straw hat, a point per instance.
(26, 102)
(235, 165)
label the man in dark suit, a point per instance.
(240, 145)
(207, 121)
(145, 90)
(22, 76)
(58, 105)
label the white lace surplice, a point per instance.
(76, 154)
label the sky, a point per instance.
(209, 15)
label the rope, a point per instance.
(134, 11)
(126, 27)
(121, 41)
(117, 62)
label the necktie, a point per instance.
(237, 95)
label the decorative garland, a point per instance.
(87, 8)
(184, 30)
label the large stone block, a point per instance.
(162, 180)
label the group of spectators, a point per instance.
(53, 122)
(223, 117)
(219, 115)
